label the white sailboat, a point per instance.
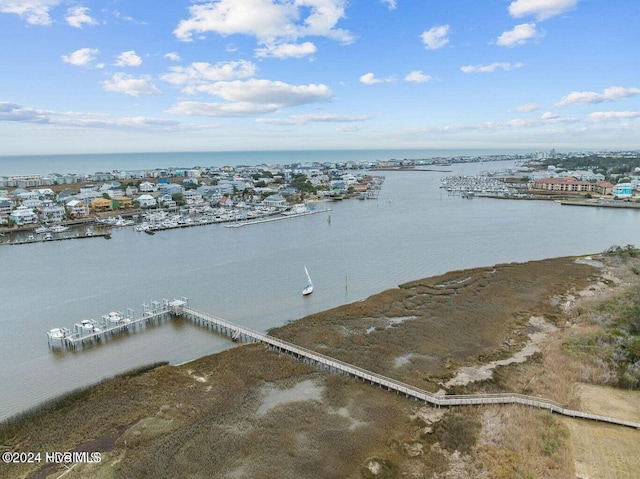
(308, 289)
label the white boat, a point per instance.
(308, 289)
(42, 229)
(87, 326)
(58, 228)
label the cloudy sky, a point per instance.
(99, 76)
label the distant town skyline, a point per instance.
(103, 76)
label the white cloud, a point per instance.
(252, 97)
(14, 112)
(600, 116)
(329, 118)
(267, 92)
(239, 109)
(436, 37)
(78, 16)
(130, 85)
(390, 3)
(267, 20)
(286, 50)
(549, 116)
(528, 107)
(35, 12)
(589, 97)
(128, 59)
(490, 68)
(81, 58)
(371, 79)
(541, 9)
(313, 118)
(520, 35)
(417, 76)
(173, 56)
(202, 72)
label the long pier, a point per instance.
(157, 312)
(275, 218)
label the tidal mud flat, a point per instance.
(251, 412)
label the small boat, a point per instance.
(87, 326)
(308, 289)
(149, 232)
(58, 228)
(42, 229)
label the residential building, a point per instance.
(52, 212)
(275, 201)
(77, 209)
(23, 216)
(566, 184)
(146, 201)
(101, 204)
(622, 191)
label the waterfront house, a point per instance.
(166, 201)
(622, 191)
(6, 205)
(23, 215)
(275, 201)
(125, 202)
(51, 212)
(146, 201)
(77, 209)
(192, 197)
(32, 203)
(101, 204)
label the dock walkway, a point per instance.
(158, 312)
(334, 365)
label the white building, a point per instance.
(23, 215)
(146, 201)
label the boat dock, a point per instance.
(601, 203)
(275, 218)
(157, 312)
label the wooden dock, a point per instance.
(158, 312)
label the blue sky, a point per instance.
(122, 76)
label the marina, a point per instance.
(476, 185)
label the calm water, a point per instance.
(254, 275)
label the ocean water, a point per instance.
(44, 164)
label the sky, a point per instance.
(110, 76)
